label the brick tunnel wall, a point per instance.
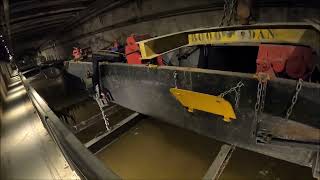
(158, 17)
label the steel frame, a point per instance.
(306, 34)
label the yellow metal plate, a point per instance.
(293, 36)
(204, 102)
(303, 34)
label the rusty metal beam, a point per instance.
(45, 5)
(94, 10)
(21, 38)
(35, 30)
(18, 4)
(47, 13)
(135, 20)
(34, 25)
(289, 33)
(45, 19)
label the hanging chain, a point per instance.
(263, 95)
(175, 77)
(237, 97)
(228, 6)
(106, 120)
(257, 105)
(235, 89)
(102, 102)
(294, 98)
(231, 14)
(225, 6)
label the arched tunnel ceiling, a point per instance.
(31, 21)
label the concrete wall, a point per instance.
(4, 79)
(158, 17)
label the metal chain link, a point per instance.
(235, 89)
(231, 14)
(225, 7)
(263, 95)
(294, 98)
(228, 6)
(106, 120)
(101, 104)
(237, 98)
(175, 76)
(257, 105)
(239, 85)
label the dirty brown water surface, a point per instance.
(152, 149)
(156, 150)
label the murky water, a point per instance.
(155, 150)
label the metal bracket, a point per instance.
(263, 136)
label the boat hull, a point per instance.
(146, 90)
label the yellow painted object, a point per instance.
(242, 35)
(294, 36)
(204, 102)
(152, 66)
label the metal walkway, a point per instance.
(27, 151)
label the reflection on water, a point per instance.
(154, 150)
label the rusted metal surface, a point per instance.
(244, 11)
(146, 90)
(277, 130)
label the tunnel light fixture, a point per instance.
(7, 49)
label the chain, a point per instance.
(225, 7)
(294, 98)
(102, 103)
(231, 14)
(237, 97)
(235, 89)
(239, 85)
(228, 6)
(175, 76)
(257, 105)
(106, 120)
(263, 94)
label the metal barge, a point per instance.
(194, 99)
